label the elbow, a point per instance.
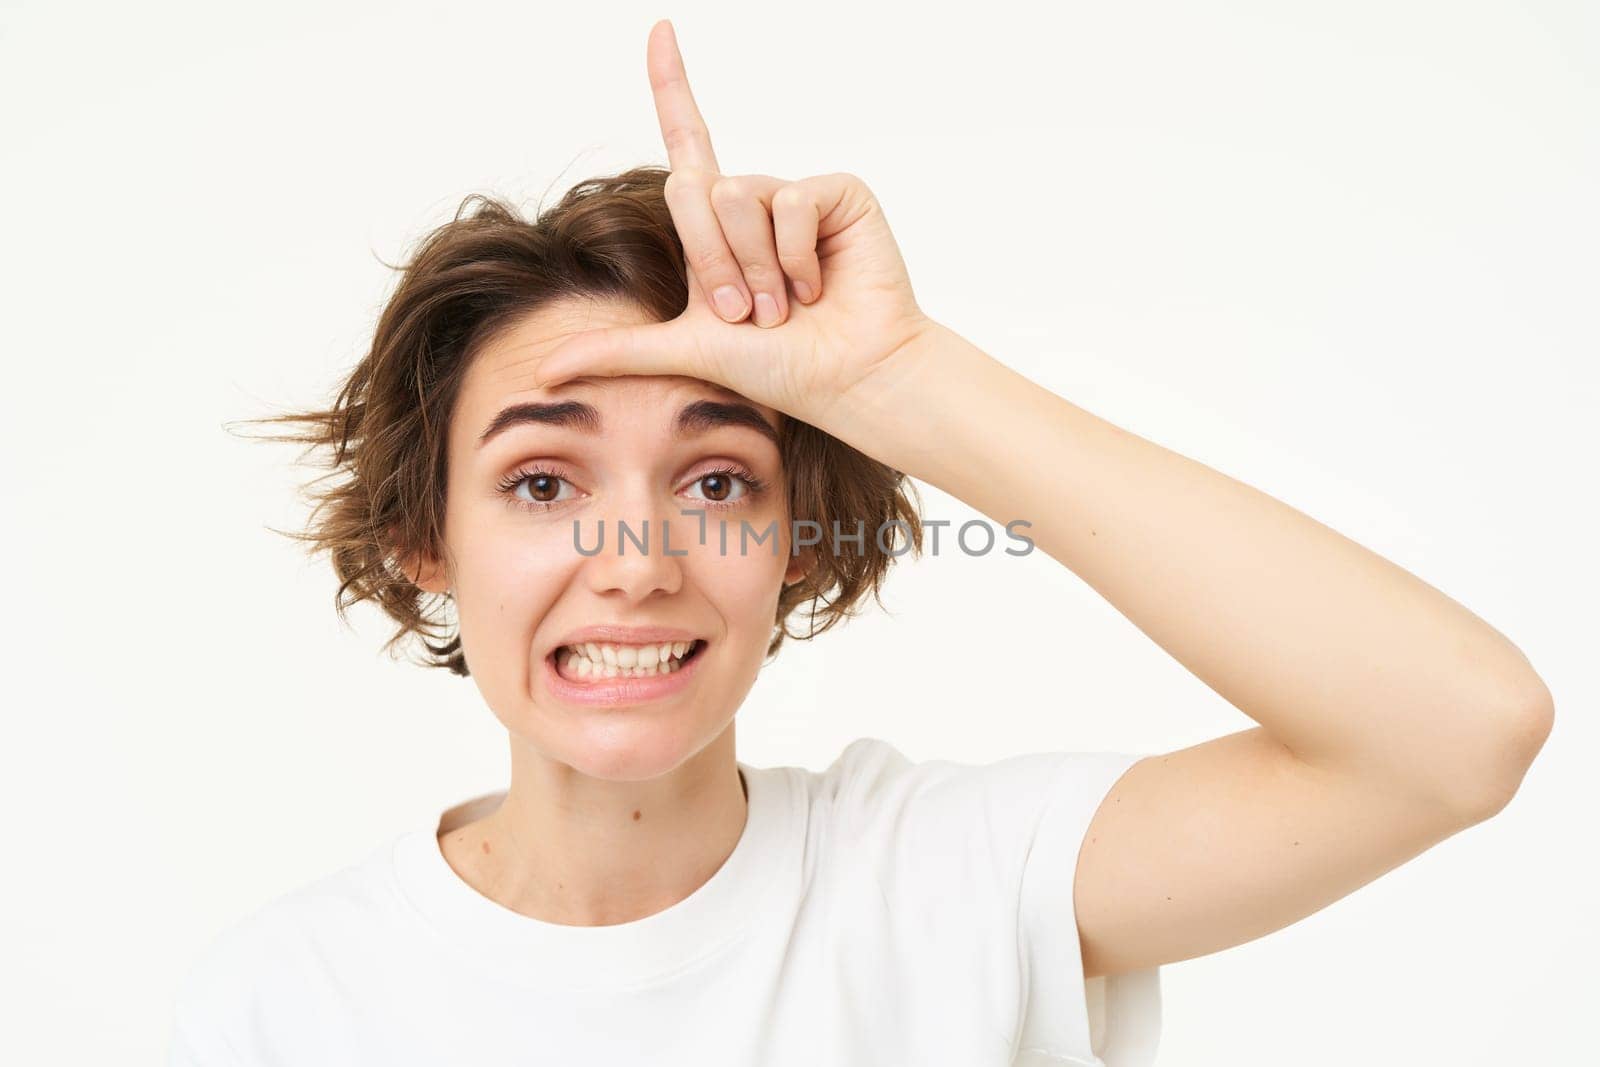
(1521, 729)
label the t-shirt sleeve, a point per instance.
(222, 1013)
(1109, 1019)
(978, 862)
(198, 1017)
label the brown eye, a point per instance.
(721, 487)
(538, 488)
(544, 487)
(716, 486)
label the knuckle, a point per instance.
(683, 181)
(697, 177)
(678, 137)
(790, 198)
(755, 269)
(795, 262)
(705, 261)
(850, 178)
(676, 196)
(761, 275)
(730, 190)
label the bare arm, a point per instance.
(1390, 716)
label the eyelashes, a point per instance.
(509, 485)
(512, 482)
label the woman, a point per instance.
(638, 893)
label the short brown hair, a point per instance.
(384, 434)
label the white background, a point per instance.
(1343, 252)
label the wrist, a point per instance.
(901, 410)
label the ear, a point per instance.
(424, 571)
(798, 566)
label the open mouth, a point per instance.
(598, 660)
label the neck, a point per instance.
(580, 850)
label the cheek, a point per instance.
(745, 580)
(507, 576)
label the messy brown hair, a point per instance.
(383, 436)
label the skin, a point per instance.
(1389, 716)
(611, 813)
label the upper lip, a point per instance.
(625, 635)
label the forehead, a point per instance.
(503, 368)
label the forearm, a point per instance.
(1350, 661)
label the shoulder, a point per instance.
(919, 816)
(268, 953)
(872, 781)
(975, 861)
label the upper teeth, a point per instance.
(609, 661)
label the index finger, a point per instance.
(684, 131)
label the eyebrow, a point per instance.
(694, 418)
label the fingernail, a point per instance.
(803, 291)
(766, 310)
(730, 305)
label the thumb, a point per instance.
(649, 348)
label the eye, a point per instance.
(537, 488)
(725, 486)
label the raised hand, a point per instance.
(846, 313)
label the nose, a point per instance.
(622, 568)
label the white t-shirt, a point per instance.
(878, 912)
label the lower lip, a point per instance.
(621, 692)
